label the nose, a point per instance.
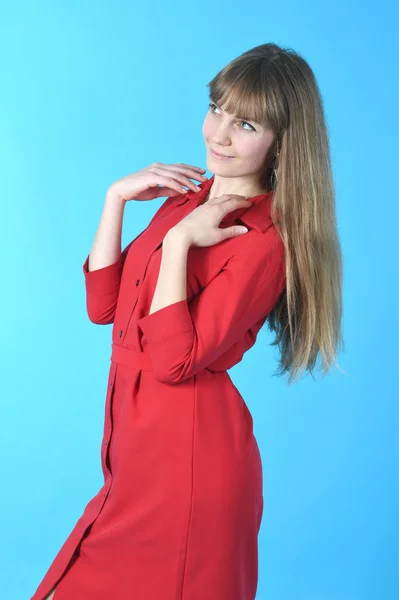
(221, 135)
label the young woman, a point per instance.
(179, 513)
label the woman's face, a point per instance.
(247, 142)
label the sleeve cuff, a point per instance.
(166, 322)
(103, 280)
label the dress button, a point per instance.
(137, 281)
(120, 333)
(110, 385)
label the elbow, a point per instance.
(172, 372)
(173, 358)
(101, 317)
(163, 374)
(167, 370)
(101, 321)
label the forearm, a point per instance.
(106, 248)
(172, 278)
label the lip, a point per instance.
(220, 156)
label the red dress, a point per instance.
(179, 513)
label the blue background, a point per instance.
(93, 91)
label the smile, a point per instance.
(219, 156)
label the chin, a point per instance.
(221, 163)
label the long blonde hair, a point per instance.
(276, 87)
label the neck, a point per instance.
(249, 189)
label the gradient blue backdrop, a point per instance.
(93, 91)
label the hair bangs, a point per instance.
(240, 95)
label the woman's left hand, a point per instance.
(201, 226)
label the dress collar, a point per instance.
(257, 216)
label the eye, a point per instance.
(253, 128)
(212, 105)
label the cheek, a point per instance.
(207, 127)
(252, 151)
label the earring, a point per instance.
(276, 167)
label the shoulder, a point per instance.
(261, 259)
(262, 245)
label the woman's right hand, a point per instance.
(143, 185)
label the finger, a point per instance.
(168, 192)
(189, 171)
(228, 201)
(233, 196)
(193, 167)
(227, 198)
(234, 231)
(180, 178)
(169, 183)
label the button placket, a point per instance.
(106, 441)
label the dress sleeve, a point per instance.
(102, 285)
(102, 289)
(187, 336)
